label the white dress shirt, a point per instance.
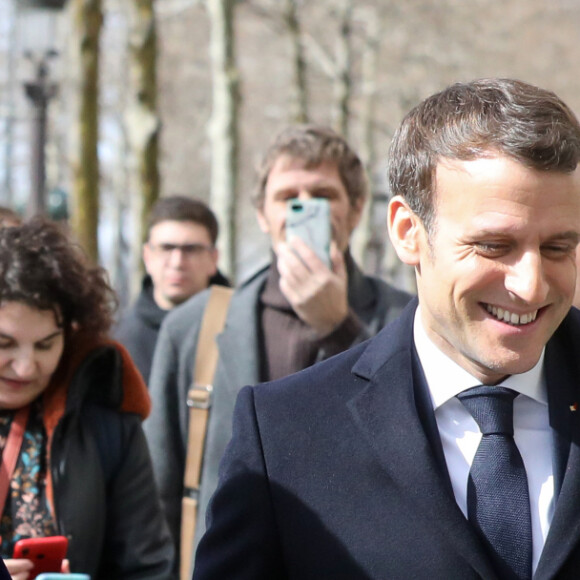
(460, 434)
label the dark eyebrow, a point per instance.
(48, 337)
(285, 191)
(572, 236)
(51, 336)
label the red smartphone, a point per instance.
(47, 553)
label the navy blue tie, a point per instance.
(498, 502)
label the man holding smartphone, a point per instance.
(288, 316)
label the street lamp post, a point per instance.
(37, 31)
(39, 91)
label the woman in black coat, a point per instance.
(83, 468)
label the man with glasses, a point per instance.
(181, 260)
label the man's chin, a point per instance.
(179, 297)
(177, 300)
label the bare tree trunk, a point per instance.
(143, 124)
(224, 128)
(88, 20)
(126, 260)
(7, 197)
(299, 99)
(370, 69)
(366, 240)
(343, 80)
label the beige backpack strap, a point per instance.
(199, 402)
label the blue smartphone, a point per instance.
(55, 576)
(309, 219)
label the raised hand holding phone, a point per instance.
(318, 295)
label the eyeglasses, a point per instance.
(187, 250)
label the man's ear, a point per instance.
(356, 212)
(146, 255)
(215, 256)
(406, 231)
(262, 221)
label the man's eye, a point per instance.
(194, 249)
(325, 193)
(558, 249)
(490, 248)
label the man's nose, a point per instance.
(527, 280)
(304, 194)
(176, 257)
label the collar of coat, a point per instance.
(95, 370)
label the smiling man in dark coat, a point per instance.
(448, 446)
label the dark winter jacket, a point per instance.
(138, 328)
(100, 485)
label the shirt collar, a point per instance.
(446, 379)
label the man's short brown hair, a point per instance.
(479, 119)
(180, 208)
(314, 145)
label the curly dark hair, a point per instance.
(43, 268)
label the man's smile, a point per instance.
(511, 317)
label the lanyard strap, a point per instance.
(11, 452)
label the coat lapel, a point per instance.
(386, 413)
(562, 369)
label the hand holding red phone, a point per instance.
(21, 569)
(32, 556)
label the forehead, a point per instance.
(174, 231)
(288, 172)
(19, 319)
(501, 192)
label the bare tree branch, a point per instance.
(324, 61)
(299, 102)
(343, 78)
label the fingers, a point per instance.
(305, 254)
(19, 569)
(317, 294)
(302, 274)
(291, 265)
